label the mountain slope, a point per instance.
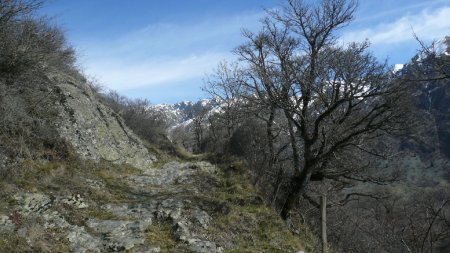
(92, 186)
(431, 97)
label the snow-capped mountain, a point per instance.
(182, 113)
(431, 97)
(440, 48)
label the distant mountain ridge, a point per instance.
(181, 115)
(182, 111)
(431, 101)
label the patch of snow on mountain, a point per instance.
(398, 67)
(442, 46)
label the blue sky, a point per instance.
(163, 49)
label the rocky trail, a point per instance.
(152, 198)
(172, 207)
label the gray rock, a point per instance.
(133, 211)
(93, 129)
(6, 225)
(169, 209)
(173, 173)
(95, 184)
(120, 235)
(202, 218)
(82, 241)
(205, 247)
(33, 202)
(184, 232)
(76, 201)
(55, 220)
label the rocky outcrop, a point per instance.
(51, 202)
(434, 101)
(93, 129)
(173, 207)
(430, 89)
(159, 200)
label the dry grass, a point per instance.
(161, 234)
(250, 225)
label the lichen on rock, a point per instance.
(93, 129)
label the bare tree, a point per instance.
(30, 43)
(224, 86)
(198, 126)
(335, 98)
(15, 9)
(244, 106)
(29, 47)
(436, 57)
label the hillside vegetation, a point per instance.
(75, 178)
(314, 116)
(297, 116)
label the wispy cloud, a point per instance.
(165, 52)
(397, 10)
(428, 25)
(125, 76)
(177, 53)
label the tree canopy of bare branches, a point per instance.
(336, 98)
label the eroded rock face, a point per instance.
(439, 108)
(93, 129)
(431, 100)
(432, 110)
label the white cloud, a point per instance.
(124, 76)
(172, 36)
(428, 25)
(165, 52)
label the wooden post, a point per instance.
(323, 208)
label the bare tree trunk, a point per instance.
(276, 188)
(297, 186)
(212, 128)
(300, 179)
(270, 144)
(270, 137)
(293, 140)
(323, 208)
